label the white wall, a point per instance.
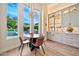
(10, 43)
(20, 19)
(44, 18)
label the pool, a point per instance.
(12, 34)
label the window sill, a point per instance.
(11, 37)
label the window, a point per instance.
(26, 16)
(36, 20)
(12, 19)
(27, 13)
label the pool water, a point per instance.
(11, 33)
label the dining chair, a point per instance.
(44, 39)
(39, 42)
(23, 42)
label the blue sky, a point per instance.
(12, 11)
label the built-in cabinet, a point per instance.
(59, 22)
(71, 39)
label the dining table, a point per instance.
(34, 35)
(31, 39)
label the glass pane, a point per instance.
(51, 24)
(26, 16)
(36, 20)
(12, 19)
(58, 21)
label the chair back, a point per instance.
(39, 41)
(21, 41)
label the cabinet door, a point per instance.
(49, 35)
(52, 35)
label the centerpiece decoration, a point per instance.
(70, 28)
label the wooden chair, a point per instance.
(23, 42)
(39, 42)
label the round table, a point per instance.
(32, 39)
